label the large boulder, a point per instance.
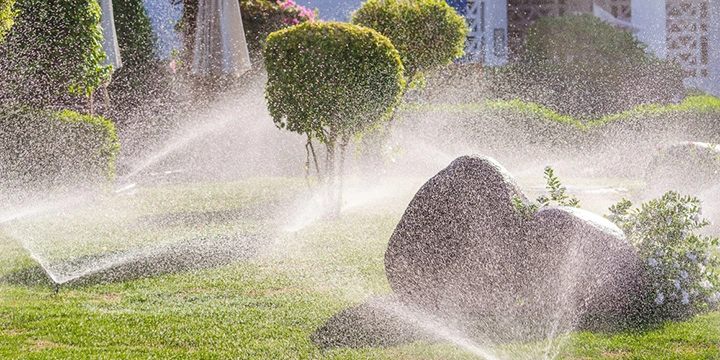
(463, 251)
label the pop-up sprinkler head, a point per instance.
(57, 288)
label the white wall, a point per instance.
(712, 84)
(495, 19)
(649, 17)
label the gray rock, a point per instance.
(580, 272)
(462, 251)
(459, 238)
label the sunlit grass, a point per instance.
(265, 307)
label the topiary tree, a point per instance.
(53, 48)
(331, 81)
(6, 17)
(428, 34)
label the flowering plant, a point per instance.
(261, 17)
(681, 269)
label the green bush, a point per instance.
(6, 17)
(41, 148)
(331, 80)
(583, 67)
(581, 39)
(142, 72)
(54, 47)
(137, 45)
(682, 273)
(428, 34)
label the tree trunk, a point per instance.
(341, 173)
(332, 197)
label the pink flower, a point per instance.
(307, 13)
(286, 4)
(295, 21)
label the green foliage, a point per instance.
(331, 80)
(44, 148)
(583, 67)
(134, 33)
(428, 34)
(581, 39)
(142, 73)
(556, 193)
(54, 47)
(6, 17)
(271, 304)
(682, 272)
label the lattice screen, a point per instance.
(475, 16)
(687, 35)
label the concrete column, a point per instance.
(713, 82)
(649, 16)
(495, 31)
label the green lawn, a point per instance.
(262, 307)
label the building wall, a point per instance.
(487, 40)
(686, 31)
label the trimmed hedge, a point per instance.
(53, 48)
(428, 34)
(331, 80)
(6, 17)
(616, 145)
(40, 148)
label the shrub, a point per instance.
(581, 66)
(681, 270)
(41, 148)
(142, 72)
(581, 39)
(54, 47)
(6, 17)
(331, 81)
(428, 34)
(136, 41)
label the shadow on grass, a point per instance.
(137, 264)
(375, 323)
(258, 212)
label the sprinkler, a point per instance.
(57, 288)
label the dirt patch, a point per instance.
(39, 345)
